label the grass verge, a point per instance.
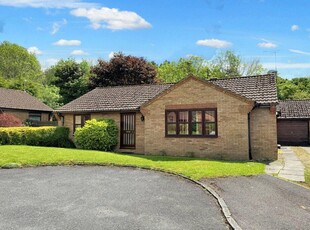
(195, 168)
(305, 159)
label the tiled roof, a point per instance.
(115, 98)
(261, 89)
(16, 99)
(294, 109)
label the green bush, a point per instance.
(97, 135)
(37, 136)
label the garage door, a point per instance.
(293, 132)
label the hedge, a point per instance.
(37, 136)
(98, 134)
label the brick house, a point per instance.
(232, 119)
(23, 106)
(293, 123)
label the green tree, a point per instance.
(175, 71)
(17, 63)
(297, 88)
(228, 64)
(71, 78)
(286, 89)
(21, 70)
(51, 96)
(224, 65)
(122, 70)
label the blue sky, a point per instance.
(277, 32)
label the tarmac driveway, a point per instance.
(264, 202)
(103, 198)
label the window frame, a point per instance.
(190, 123)
(83, 120)
(32, 114)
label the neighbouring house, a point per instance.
(23, 106)
(293, 122)
(231, 118)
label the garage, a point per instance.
(293, 132)
(293, 122)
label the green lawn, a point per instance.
(191, 167)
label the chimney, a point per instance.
(272, 71)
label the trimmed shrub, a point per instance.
(9, 120)
(98, 134)
(37, 136)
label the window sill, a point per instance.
(132, 148)
(190, 136)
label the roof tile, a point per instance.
(294, 109)
(115, 98)
(17, 99)
(261, 89)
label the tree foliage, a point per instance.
(228, 64)
(122, 70)
(9, 120)
(71, 78)
(224, 65)
(16, 62)
(21, 70)
(297, 88)
(176, 71)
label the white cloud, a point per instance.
(215, 43)
(294, 27)
(63, 42)
(112, 18)
(45, 64)
(268, 45)
(57, 25)
(111, 55)
(299, 52)
(34, 50)
(78, 52)
(271, 65)
(48, 3)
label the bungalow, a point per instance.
(232, 119)
(293, 122)
(23, 105)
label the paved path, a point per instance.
(288, 166)
(307, 149)
(103, 198)
(264, 202)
